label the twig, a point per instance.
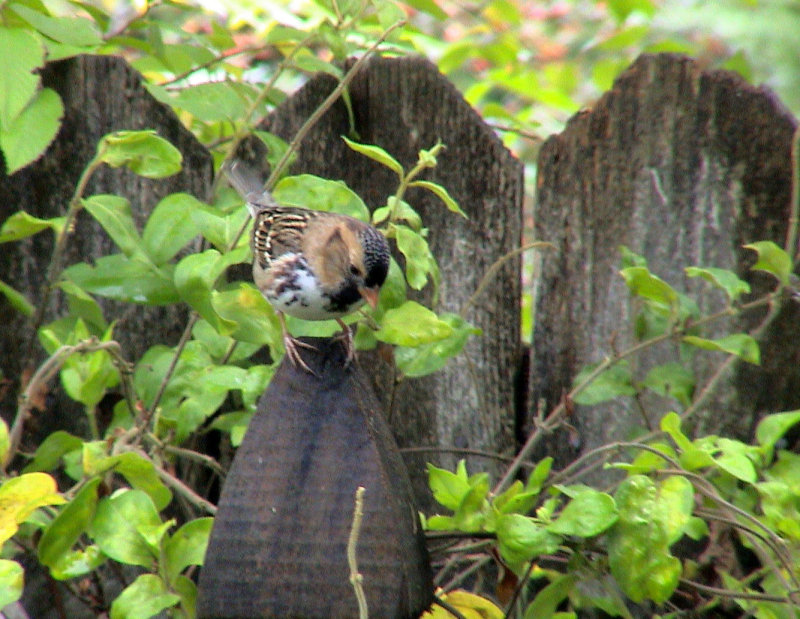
(481, 453)
(56, 261)
(187, 333)
(218, 58)
(47, 371)
(356, 579)
(555, 417)
(791, 247)
(735, 595)
(448, 607)
(181, 488)
(496, 266)
(189, 454)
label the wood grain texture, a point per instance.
(101, 94)
(278, 547)
(683, 166)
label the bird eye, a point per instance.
(354, 270)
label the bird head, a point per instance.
(355, 260)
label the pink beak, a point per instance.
(370, 296)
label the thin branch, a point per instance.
(182, 489)
(55, 267)
(555, 418)
(188, 454)
(356, 579)
(489, 276)
(792, 248)
(735, 595)
(218, 58)
(459, 451)
(43, 375)
(185, 336)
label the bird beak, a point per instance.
(370, 296)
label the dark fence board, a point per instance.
(683, 166)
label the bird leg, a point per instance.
(347, 338)
(291, 344)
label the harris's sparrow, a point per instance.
(313, 265)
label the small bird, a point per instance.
(313, 265)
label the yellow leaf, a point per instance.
(468, 604)
(20, 496)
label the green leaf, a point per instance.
(195, 277)
(588, 514)
(306, 61)
(20, 496)
(21, 225)
(671, 380)
(215, 101)
(254, 318)
(141, 475)
(449, 489)
(548, 599)
(65, 529)
(321, 194)
(772, 427)
(643, 283)
(376, 153)
(221, 229)
(740, 344)
(772, 259)
(614, 382)
(539, 475)
(26, 137)
(87, 376)
(187, 591)
(12, 581)
(187, 546)
(114, 214)
(520, 539)
(721, 278)
(441, 193)
(76, 31)
(143, 152)
(427, 358)
(430, 7)
(117, 526)
(412, 324)
(651, 517)
(16, 299)
(170, 227)
(74, 563)
(147, 596)
(83, 306)
(124, 279)
(735, 460)
(647, 461)
(470, 515)
(51, 450)
(20, 53)
(400, 210)
(420, 262)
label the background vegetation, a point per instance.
(222, 66)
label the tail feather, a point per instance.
(245, 180)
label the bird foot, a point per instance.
(347, 339)
(291, 345)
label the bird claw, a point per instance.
(291, 344)
(347, 338)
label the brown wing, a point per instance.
(279, 230)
